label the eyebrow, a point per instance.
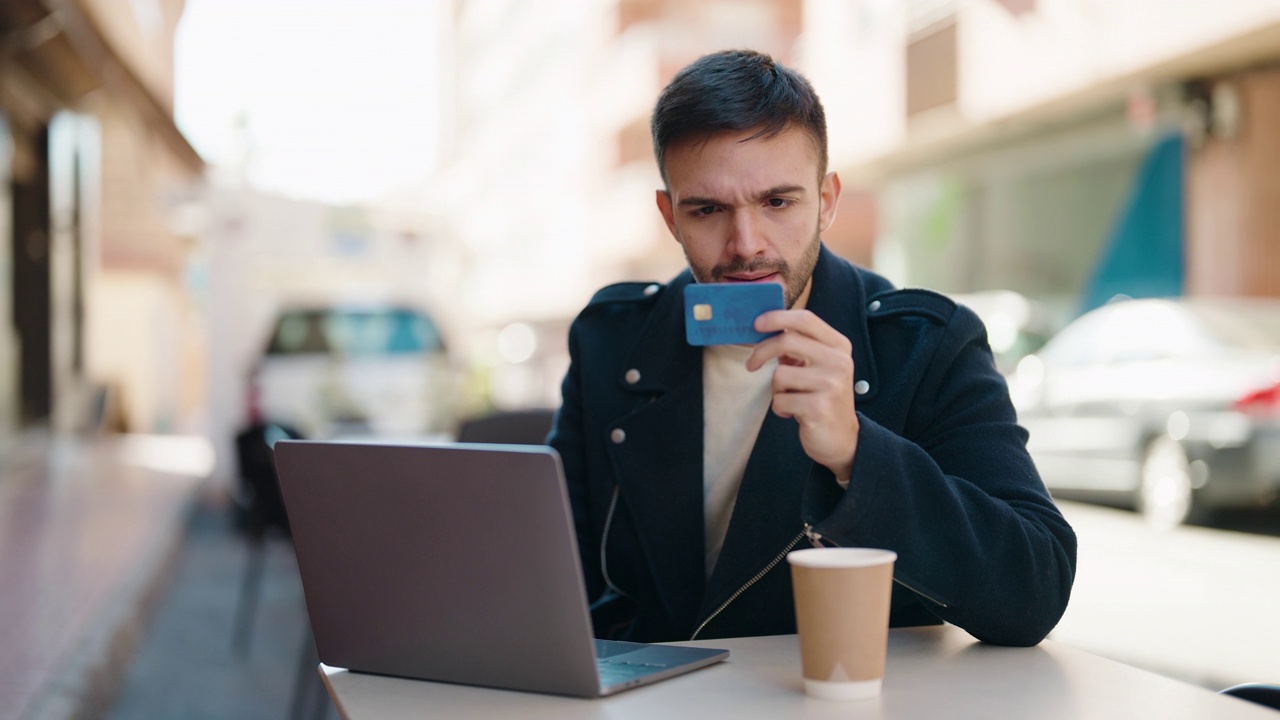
(771, 192)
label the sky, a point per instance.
(335, 101)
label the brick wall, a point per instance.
(1233, 196)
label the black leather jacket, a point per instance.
(941, 474)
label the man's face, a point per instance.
(749, 211)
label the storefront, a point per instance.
(91, 164)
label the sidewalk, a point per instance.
(187, 666)
(87, 539)
(120, 576)
(1196, 603)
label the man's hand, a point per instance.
(813, 383)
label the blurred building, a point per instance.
(548, 176)
(1068, 149)
(95, 257)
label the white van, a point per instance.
(331, 371)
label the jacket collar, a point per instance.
(660, 355)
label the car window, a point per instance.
(1246, 326)
(298, 332)
(355, 332)
(1134, 331)
(1153, 331)
(1074, 345)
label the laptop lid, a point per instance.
(455, 563)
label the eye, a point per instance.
(778, 202)
(704, 211)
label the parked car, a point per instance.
(328, 371)
(1172, 406)
(1016, 324)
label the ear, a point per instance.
(668, 213)
(829, 194)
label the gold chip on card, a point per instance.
(702, 311)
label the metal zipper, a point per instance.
(917, 592)
(604, 542)
(816, 539)
(749, 583)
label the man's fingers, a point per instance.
(805, 340)
(812, 384)
(802, 322)
(797, 378)
(789, 348)
(806, 408)
(796, 350)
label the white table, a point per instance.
(938, 672)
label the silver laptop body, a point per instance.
(456, 563)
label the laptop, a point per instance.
(455, 563)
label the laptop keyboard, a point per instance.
(609, 648)
(614, 667)
(613, 672)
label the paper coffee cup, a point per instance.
(842, 618)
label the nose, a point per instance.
(745, 239)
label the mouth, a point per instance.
(755, 277)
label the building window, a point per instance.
(1018, 7)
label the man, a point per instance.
(875, 418)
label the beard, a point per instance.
(795, 278)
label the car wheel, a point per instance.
(1165, 496)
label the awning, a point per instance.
(61, 45)
(1143, 256)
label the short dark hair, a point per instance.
(735, 90)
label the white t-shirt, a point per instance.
(734, 404)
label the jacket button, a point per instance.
(651, 289)
(874, 306)
(632, 377)
(862, 387)
(617, 436)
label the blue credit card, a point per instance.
(723, 313)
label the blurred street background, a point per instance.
(228, 221)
